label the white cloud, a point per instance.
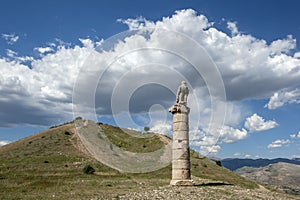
(4, 142)
(230, 135)
(256, 123)
(297, 55)
(283, 46)
(209, 140)
(214, 149)
(279, 143)
(237, 154)
(162, 128)
(247, 155)
(283, 97)
(138, 23)
(41, 94)
(87, 43)
(10, 38)
(233, 28)
(43, 50)
(293, 136)
(250, 68)
(11, 53)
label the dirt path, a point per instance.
(98, 145)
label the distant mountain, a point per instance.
(235, 163)
(298, 159)
(284, 176)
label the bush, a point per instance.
(88, 169)
(218, 162)
(67, 133)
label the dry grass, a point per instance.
(50, 164)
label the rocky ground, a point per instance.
(283, 176)
(207, 192)
(206, 189)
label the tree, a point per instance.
(146, 128)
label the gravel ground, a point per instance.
(208, 190)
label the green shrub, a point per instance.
(218, 162)
(67, 133)
(88, 169)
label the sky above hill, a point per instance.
(120, 62)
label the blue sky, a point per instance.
(45, 45)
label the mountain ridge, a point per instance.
(235, 163)
(282, 175)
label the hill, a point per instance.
(284, 176)
(56, 164)
(235, 163)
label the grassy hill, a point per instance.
(51, 165)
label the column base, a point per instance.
(182, 182)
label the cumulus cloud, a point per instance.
(146, 62)
(233, 28)
(230, 135)
(281, 98)
(240, 57)
(10, 38)
(87, 43)
(237, 154)
(256, 123)
(4, 142)
(11, 53)
(43, 50)
(40, 94)
(138, 23)
(13, 56)
(211, 139)
(278, 143)
(293, 136)
(162, 128)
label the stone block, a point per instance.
(180, 126)
(182, 154)
(181, 174)
(182, 182)
(181, 135)
(180, 117)
(180, 164)
(180, 144)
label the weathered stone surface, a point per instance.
(181, 126)
(182, 182)
(182, 93)
(180, 144)
(181, 174)
(180, 135)
(180, 164)
(180, 117)
(180, 154)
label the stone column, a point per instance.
(181, 174)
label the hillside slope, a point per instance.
(50, 165)
(281, 175)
